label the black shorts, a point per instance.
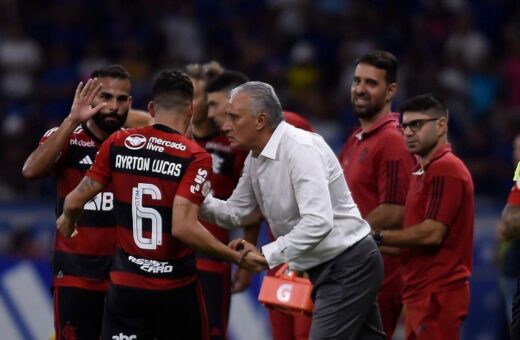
(78, 313)
(134, 313)
(215, 278)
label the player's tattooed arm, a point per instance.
(87, 189)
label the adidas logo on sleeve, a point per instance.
(86, 160)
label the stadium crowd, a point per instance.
(467, 51)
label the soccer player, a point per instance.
(437, 238)
(80, 265)
(215, 274)
(377, 166)
(160, 178)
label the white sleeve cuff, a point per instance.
(273, 252)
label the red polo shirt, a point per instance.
(377, 167)
(441, 191)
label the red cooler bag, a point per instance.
(287, 292)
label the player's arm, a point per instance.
(74, 203)
(427, 233)
(509, 225)
(188, 230)
(138, 118)
(40, 161)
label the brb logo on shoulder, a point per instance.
(135, 141)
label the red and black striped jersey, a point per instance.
(147, 168)
(82, 261)
(227, 168)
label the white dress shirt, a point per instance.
(298, 184)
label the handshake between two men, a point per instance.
(250, 256)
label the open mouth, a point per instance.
(361, 101)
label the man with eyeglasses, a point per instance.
(377, 166)
(437, 238)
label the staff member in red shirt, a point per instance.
(377, 166)
(438, 226)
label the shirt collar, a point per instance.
(387, 118)
(438, 154)
(271, 147)
(91, 134)
(165, 128)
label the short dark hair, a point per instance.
(226, 81)
(428, 103)
(382, 60)
(111, 71)
(172, 88)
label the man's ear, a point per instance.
(443, 124)
(391, 91)
(151, 108)
(261, 121)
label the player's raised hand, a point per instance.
(82, 108)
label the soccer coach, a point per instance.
(296, 181)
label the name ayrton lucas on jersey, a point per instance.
(143, 164)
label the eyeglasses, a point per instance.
(414, 125)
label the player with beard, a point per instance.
(377, 166)
(80, 265)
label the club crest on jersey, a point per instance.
(135, 141)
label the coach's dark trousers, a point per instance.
(345, 294)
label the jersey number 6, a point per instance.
(139, 213)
